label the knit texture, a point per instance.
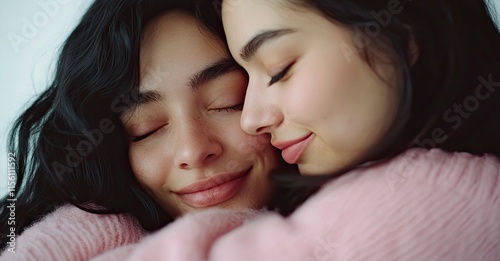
(422, 205)
(188, 238)
(70, 233)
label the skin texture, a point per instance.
(189, 131)
(321, 86)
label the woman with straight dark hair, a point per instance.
(430, 80)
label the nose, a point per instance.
(196, 146)
(260, 115)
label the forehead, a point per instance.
(176, 45)
(248, 14)
(244, 19)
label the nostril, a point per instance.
(210, 157)
(259, 130)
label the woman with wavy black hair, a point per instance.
(142, 118)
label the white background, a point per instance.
(31, 31)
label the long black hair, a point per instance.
(449, 98)
(69, 143)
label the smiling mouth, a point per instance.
(293, 149)
(214, 190)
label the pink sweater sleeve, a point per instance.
(422, 205)
(70, 233)
(187, 239)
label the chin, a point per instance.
(315, 169)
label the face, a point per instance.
(324, 106)
(187, 148)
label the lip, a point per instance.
(293, 149)
(212, 191)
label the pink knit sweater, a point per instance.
(422, 205)
(70, 233)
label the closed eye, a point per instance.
(143, 136)
(237, 107)
(277, 77)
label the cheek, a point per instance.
(255, 144)
(314, 94)
(329, 97)
(243, 147)
(244, 143)
(147, 166)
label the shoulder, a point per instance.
(426, 168)
(422, 197)
(416, 182)
(477, 177)
(422, 204)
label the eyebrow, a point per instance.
(249, 50)
(141, 99)
(213, 71)
(148, 97)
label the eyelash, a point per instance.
(237, 107)
(277, 77)
(143, 136)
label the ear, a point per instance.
(413, 49)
